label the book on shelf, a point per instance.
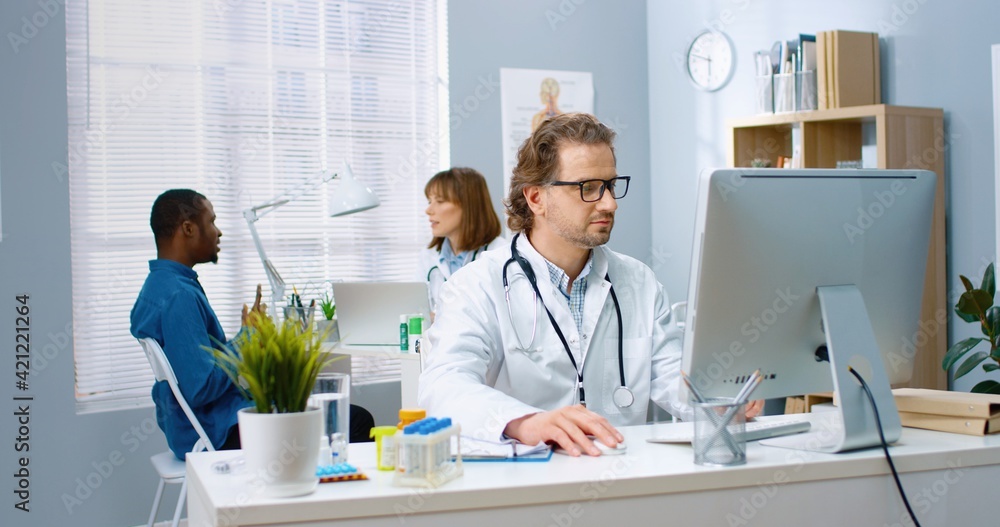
(848, 70)
(959, 412)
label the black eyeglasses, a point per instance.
(592, 190)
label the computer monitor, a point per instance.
(788, 261)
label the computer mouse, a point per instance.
(604, 449)
(621, 448)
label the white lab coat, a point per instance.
(475, 373)
(432, 268)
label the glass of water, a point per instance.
(332, 394)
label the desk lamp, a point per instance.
(352, 196)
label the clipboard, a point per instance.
(479, 450)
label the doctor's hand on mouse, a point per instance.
(569, 426)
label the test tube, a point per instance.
(411, 467)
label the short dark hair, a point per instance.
(538, 159)
(467, 188)
(171, 209)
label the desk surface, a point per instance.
(645, 470)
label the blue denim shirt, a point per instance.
(172, 309)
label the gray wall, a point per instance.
(934, 54)
(605, 38)
(66, 450)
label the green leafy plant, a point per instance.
(976, 305)
(328, 307)
(273, 366)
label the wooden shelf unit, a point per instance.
(905, 137)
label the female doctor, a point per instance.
(463, 223)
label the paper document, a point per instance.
(473, 448)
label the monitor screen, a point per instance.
(766, 239)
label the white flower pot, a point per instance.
(281, 450)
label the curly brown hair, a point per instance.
(538, 159)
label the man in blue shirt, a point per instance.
(172, 309)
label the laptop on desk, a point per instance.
(368, 312)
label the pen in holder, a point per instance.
(719, 432)
(301, 315)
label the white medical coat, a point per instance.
(432, 268)
(475, 373)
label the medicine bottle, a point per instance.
(410, 415)
(385, 446)
(404, 337)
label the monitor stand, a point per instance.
(850, 341)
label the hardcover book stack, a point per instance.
(958, 412)
(848, 69)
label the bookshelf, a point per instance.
(897, 137)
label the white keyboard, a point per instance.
(683, 432)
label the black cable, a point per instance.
(885, 446)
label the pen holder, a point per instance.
(784, 92)
(764, 93)
(805, 91)
(719, 427)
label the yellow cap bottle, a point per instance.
(410, 415)
(385, 446)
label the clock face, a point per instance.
(710, 60)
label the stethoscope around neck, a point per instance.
(438, 269)
(622, 396)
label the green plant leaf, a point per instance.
(987, 387)
(970, 363)
(966, 282)
(970, 318)
(989, 284)
(958, 350)
(274, 366)
(974, 302)
(992, 322)
(992, 366)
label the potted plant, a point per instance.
(327, 326)
(276, 368)
(976, 306)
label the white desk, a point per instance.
(947, 477)
(409, 366)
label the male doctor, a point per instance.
(551, 369)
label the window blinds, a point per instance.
(243, 100)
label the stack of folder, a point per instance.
(962, 413)
(848, 69)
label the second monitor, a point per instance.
(788, 265)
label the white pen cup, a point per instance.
(719, 432)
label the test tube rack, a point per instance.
(423, 453)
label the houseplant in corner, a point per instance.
(276, 367)
(976, 306)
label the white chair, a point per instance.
(171, 469)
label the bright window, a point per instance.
(242, 101)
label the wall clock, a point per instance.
(711, 60)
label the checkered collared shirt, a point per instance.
(575, 298)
